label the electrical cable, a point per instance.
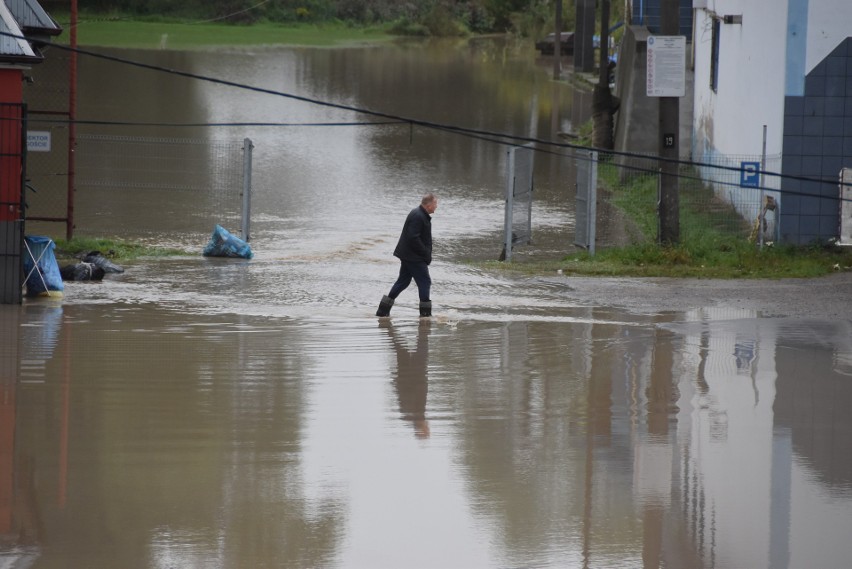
(492, 136)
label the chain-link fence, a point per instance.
(190, 183)
(47, 93)
(145, 185)
(722, 197)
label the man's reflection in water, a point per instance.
(411, 381)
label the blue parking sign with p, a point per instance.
(750, 174)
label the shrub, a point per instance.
(405, 27)
(441, 22)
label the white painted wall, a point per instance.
(752, 67)
(751, 79)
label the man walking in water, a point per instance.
(414, 250)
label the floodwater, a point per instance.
(196, 412)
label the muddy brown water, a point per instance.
(196, 412)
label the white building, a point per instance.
(785, 65)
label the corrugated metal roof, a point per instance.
(11, 47)
(31, 16)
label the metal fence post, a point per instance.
(593, 201)
(659, 205)
(761, 208)
(246, 221)
(510, 191)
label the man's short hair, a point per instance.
(428, 198)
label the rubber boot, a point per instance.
(385, 306)
(425, 308)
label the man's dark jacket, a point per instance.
(415, 242)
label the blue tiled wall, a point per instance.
(817, 144)
(647, 13)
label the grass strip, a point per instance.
(98, 31)
(111, 248)
(714, 241)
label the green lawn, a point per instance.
(182, 36)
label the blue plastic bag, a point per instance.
(223, 244)
(46, 277)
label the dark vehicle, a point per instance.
(546, 45)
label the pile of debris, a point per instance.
(93, 266)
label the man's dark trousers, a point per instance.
(417, 270)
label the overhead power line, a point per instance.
(495, 137)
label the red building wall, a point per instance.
(11, 91)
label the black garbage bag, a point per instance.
(82, 272)
(97, 258)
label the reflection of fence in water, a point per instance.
(189, 183)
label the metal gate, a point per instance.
(519, 189)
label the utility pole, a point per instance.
(604, 50)
(602, 133)
(584, 32)
(557, 44)
(669, 142)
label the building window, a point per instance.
(714, 57)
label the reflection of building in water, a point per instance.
(843, 361)
(548, 432)
(814, 406)
(744, 354)
(725, 436)
(9, 322)
(28, 338)
(38, 336)
(759, 450)
(661, 445)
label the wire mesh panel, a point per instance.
(586, 211)
(47, 174)
(627, 201)
(712, 197)
(47, 92)
(189, 184)
(737, 184)
(519, 189)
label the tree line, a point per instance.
(415, 17)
